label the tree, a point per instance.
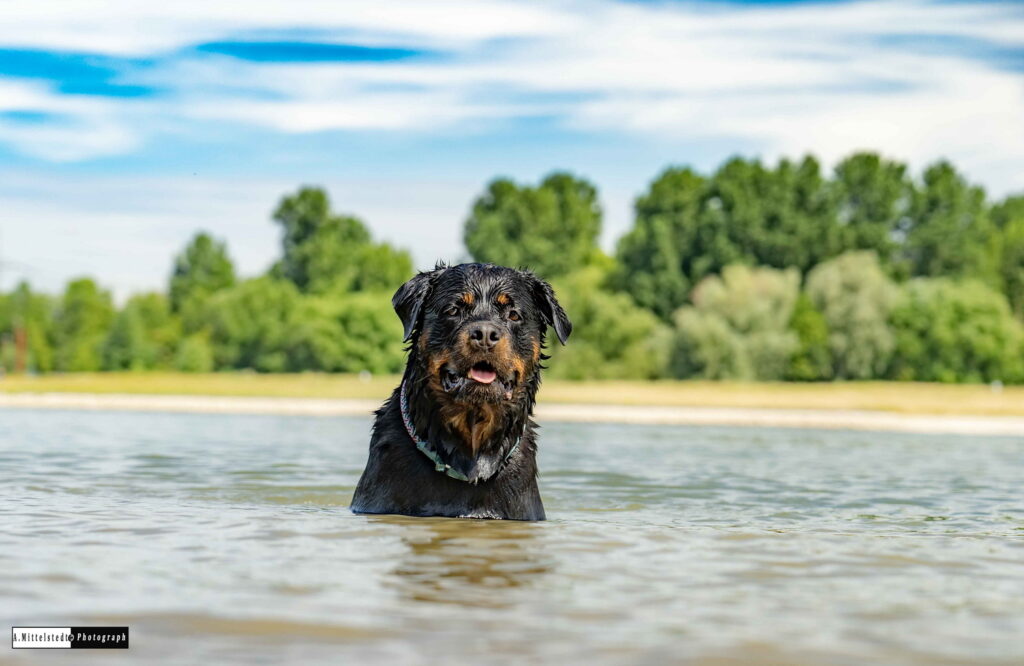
(251, 324)
(80, 326)
(325, 252)
(1008, 218)
(855, 297)
(949, 228)
(612, 336)
(29, 314)
(1011, 264)
(655, 256)
(194, 354)
(873, 198)
(952, 331)
(688, 227)
(1005, 212)
(352, 333)
(780, 218)
(812, 360)
(202, 269)
(738, 326)
(144, 335)
(552, 229)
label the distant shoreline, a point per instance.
(831, 419)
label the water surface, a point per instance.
(227, 539)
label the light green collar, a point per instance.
(426, 449)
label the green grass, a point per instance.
(913, 398)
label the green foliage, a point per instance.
(955, 332)
(250, 324)
(948, 229)
(612, 337)
(854, 296)
(706, 346)
(688, 227)
(267, 325)
(81, 324)
(874, 198)
(195, 354)
(1011, 263)
(743, 235)
(1005, 212)
(27, 313)
(781, 218)
(200, 270)
(144, 335)
(656, 257)
(325, 252)
(812, 360)
(738, 326)
(350, 334)
(552, 228)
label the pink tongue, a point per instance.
(482, 376)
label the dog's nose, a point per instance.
(484, 335)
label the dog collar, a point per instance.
(426, 449)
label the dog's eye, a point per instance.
(451, 311)
(513, 315)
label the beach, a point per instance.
(692, 415)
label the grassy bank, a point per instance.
(904, 398)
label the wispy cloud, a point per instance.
(919, 79)
(395, 88)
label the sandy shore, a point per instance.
(573, 413)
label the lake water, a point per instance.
(227, 539)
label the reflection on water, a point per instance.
(227, 539)
(466, 563)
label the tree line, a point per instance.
(754, 271)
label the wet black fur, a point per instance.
(398, 478)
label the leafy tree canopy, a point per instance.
(952, 331)
(201, 269)
(612, 336)
(144, 335)
(325, 252)
(738, 325)
(688, 227)
(552, 229)
(81, 324)
(854, 296)
(948, 230)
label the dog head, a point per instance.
(478, 330)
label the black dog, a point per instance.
(455, 438)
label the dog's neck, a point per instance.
(474, 438)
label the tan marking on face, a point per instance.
(468, 298)
(536, 351)
(503, 299)
(504, 357)
(434, 365)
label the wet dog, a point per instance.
(456, 438)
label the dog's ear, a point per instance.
(408, 300)
(553, 313)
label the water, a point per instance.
(227, 539)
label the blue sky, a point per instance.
(125, 127)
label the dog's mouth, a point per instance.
(480, 376)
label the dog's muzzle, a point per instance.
(480, 377)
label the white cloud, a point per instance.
(131, 28)
(779, 79)
(773, 81)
